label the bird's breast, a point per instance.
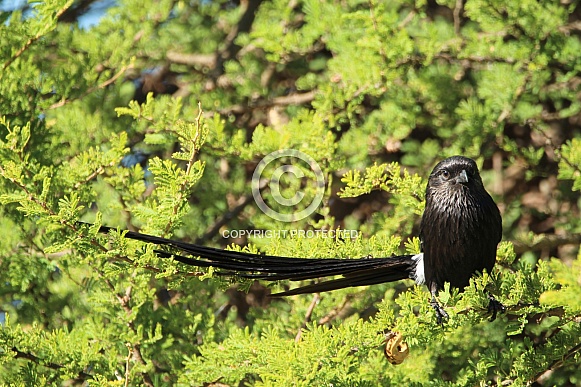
(459, 238)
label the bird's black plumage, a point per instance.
(461, 226)
(460, 230)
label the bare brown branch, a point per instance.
(546, 242)
(308, 315)
(204, 60)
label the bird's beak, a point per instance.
(462, 178)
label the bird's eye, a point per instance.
(445, 174)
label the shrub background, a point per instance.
(154, 118)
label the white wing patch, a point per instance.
(419, 276)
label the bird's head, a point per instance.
(457, 172)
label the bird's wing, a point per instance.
(355, 272)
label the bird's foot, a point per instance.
(494, 307)
(441, 314)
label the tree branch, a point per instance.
(203, 60)
(558, 362)
(93, 89)
(227, 217)
(53, 366)
(308, 315)
(291, 99)
(546, 242)
(30, 41)
(244, 25)
(457, 16)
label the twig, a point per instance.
(567, 28)
(31, 197)
(457, 11)
(227, 217)
(517, 94)
(53, 366)
(124, 301)
(95, 88)
(559, 362)
(204, 60)
(294, 99)
(308, 315)
(93, 175)
(244, 25)
(534, 125)
(291, 99)
(407, 20)
(336, 311)
(31, 40)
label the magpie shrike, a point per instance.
(459, 232)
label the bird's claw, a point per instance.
(441, 314)
(494, 307)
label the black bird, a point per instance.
(460, 230)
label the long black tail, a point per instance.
(355, 272)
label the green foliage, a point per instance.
(570, 163)
(568, 294)
(375, 93)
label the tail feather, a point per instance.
(355, 272)
(390, 269)
(362, 278)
